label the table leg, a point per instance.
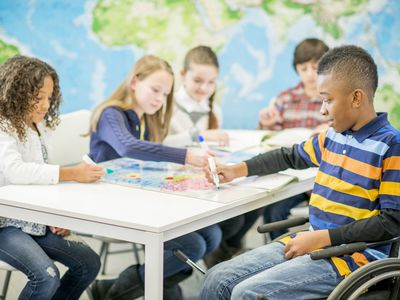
(154, 267)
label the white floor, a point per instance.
(118, 262)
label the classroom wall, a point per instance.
(93, 44)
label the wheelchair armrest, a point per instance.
(338, 250)
(347, 249)
(284, 224)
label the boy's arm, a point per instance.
(384, 226)
(275, 161)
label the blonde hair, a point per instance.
(124, 98)
(204, 55)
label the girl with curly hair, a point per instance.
(29, 104)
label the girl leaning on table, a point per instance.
(29, 103)
(132, 123)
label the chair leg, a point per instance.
(103, 256)
(5, 285)
(89, 293)
(136, 252)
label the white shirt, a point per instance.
(22, 162)
(189, 115)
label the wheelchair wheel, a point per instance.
(357, 284)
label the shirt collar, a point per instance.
(369, 129)
(190, 104)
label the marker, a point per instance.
(90, 161)
(202, 142)
(213, 168)
(211, 161)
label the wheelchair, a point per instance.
(377, 280)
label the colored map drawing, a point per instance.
(160, 176)
(186, 182)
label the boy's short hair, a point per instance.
(353, 65)
(310, 49)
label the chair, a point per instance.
(376, 280)
(105, 250)
(71, 131)
(68, 141)
(4, 286)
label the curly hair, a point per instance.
(21, 79)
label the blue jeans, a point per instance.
(280, 211)
(195, 245)
(266, 271)
(34, 256)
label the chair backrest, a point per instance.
(67, 141)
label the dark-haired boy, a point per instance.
(355, 198)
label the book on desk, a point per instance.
(276, 181)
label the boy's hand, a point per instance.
(227, 173)
(60, 231)
(305, 242)
(269, 116)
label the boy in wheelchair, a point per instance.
(356, 196)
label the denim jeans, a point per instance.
(280, 211)
(195, 245)
(34, 256)
(266, 271)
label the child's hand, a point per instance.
(216, 135)
(305, 242)
(87, 172)
(226, 173)
(197, 157)
(269, 116)
(60, 231)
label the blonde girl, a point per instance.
(132, 123)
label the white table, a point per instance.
(129, 214)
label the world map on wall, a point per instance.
(93, 44)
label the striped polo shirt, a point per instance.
(359, 174)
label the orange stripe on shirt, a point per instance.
(334, 183)
(359, 259)
(391, 163)
(352, 165)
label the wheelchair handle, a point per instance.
(183, 257)
(338, 250)
(284, 224)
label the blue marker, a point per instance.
(202, 142)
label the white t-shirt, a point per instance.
(189, 116)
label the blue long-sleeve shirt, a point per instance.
(118, 135)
